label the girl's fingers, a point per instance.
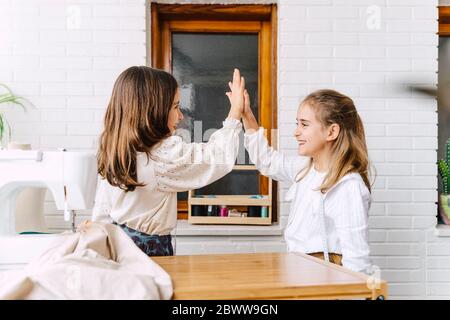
(242, 87)
(247, 108)
(230, 85)
(236, 76)
(246, 99)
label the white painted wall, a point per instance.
(68, 73)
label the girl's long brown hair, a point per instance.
(349, 150)
(135, 120)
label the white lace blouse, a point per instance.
(172, 166)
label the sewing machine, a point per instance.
(71, 177)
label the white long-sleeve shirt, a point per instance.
(346, 206)
(172, 166)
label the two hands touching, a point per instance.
(240, 102)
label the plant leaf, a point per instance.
(2, 128)
(9, 129)
(20, 104)
(7, 88)
(12, 98)
(7, 98)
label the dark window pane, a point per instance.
(245, 181)
(203, 64)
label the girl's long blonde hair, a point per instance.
(135, 120)
(349, 150)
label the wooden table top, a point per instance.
(264, 276)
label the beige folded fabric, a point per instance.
(99, 261)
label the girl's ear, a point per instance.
(333, 132)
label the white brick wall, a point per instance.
(68, 74)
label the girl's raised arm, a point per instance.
(181, 166)
(268, 161)
(250, 122)
(236, 96)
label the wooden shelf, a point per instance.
(245, 167)
(230, 201)
(230, 220)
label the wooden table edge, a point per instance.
(380, 290)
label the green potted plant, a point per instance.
(8, 97)
(444, 173)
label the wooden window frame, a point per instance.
(260, 19)
(444, 21)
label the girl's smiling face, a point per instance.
(310, 133)
(175, 114)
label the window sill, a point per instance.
(442, 230)
(185, 229)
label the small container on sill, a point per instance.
(254, 211)
(198, 211)
(223, 211)
(264, 212)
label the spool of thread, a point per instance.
(254, 211)
(223, 211)
(210, 212)
(198, 211)
(264, 212)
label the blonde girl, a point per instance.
(330, 192)
(142, 164)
